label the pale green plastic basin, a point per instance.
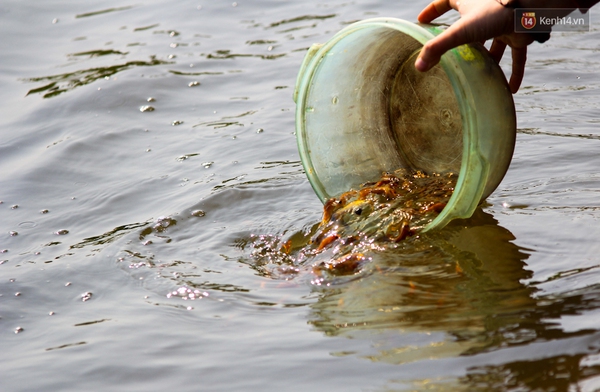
(362, 109)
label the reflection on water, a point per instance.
(301, 19)
(226, 54)
(68, 81)
(453, 292)
(554, 373)
(101, 12)
(456, 292)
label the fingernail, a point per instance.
(421, 65)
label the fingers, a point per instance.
(477, 23)
(433, 50)
(434, 10)
(519, 57)
(497, 50)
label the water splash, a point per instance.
(356, 224)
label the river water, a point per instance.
(149, 175)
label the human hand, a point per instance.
(480, 20)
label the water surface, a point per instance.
(150, 175)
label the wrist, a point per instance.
(569, 4)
